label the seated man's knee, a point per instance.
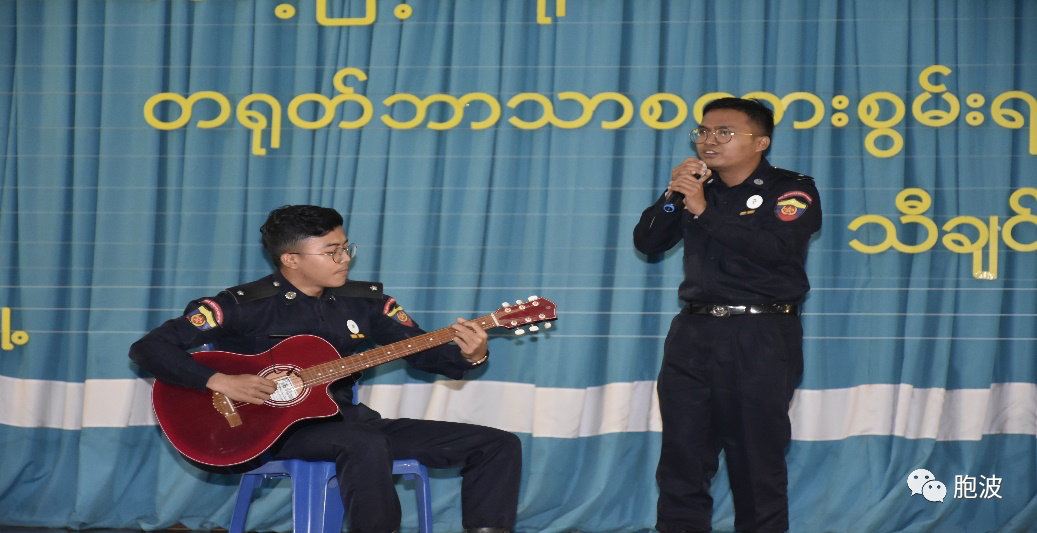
(505, 444)
(510, 443)
(364, 444)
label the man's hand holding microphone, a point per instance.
(686, 184)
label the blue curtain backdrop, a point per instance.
(482, 151)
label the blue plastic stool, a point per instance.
(316, 501)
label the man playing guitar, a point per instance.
(309, 294)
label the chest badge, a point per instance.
(354, 330)
(754, 201)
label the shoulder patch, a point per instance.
(792, 205)
(261, 288)
(206, 316)
(395, 310)
(358, 289)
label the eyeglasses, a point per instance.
(722, 135)
(339, 256)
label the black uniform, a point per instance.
(252, 318)
(734, 354)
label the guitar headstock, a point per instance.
(529, 313)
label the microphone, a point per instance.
(671, 201)
(675, 197)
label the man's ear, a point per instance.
(762, 143)
(289, 261)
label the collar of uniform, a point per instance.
(763, 178)
(289, 294)
(286, 292)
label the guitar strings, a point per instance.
(333, 370)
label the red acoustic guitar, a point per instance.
(209, 428)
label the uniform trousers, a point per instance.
(363, 446)
(726, 384)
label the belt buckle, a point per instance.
(719, 311)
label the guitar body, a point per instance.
(197, 428)
(210, 429)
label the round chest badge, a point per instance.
(754, 201)
(353, 328)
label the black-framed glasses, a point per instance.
(722, 135)
(339, 256)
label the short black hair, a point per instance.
(759, 114)
(286, 226)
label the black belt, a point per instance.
(728, 310)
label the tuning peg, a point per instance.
(520, 331)
(533, 298)
(547, 325)
(518, 302)
(534, 328)
(505, 304)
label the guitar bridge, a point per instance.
(226, 408)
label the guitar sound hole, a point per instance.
(290, 388)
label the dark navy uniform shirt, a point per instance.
(252, 318)
(750, 244)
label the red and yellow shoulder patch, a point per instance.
(208, 315)
(394, 310)
(792, 205)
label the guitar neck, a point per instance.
(333, 370)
